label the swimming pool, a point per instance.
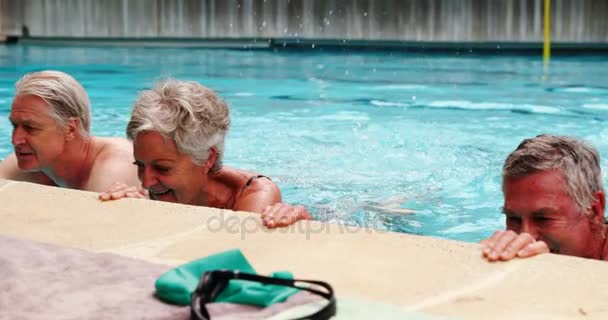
(341, 131)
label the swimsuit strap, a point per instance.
(251, 180)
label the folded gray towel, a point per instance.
(43, 281)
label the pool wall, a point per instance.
(415, 274)
(515, 23)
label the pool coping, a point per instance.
(415, 273)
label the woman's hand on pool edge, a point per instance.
(282, 214)
(120, 190)
(506, 245)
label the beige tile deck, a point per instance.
(421, 274)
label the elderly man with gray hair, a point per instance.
(51, 120)
(553, 201)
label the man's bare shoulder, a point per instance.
(9, 169)
(113, 163)
(115, 148)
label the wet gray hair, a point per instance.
(189, 114)
(63, 93)
(578, 162)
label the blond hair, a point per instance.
(191, 115)
(63, 93)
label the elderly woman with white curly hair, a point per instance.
(178, 130)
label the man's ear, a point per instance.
(72, 128)
(211, 159)
(598, 206)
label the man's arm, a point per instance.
(9, 169)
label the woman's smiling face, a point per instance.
(167, 174)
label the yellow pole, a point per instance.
(547, 37)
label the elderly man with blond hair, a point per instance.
(51, 118)
(554, 201)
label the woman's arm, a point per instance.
(263, 196)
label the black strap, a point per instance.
(251, 180)
(213, 282)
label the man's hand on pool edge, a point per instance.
(120, 190)
(506, 245)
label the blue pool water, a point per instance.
(340, 131)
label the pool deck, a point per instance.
(422, 274)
